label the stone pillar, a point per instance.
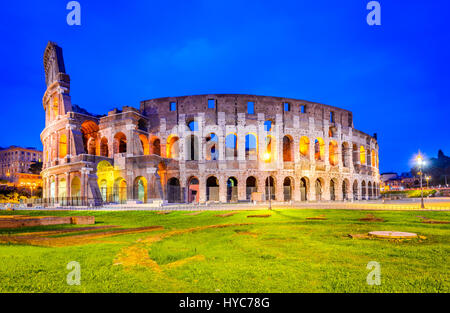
(222, 188)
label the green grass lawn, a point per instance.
(282, 253)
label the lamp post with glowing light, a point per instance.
(420, 162)
(266, 158)
(427, 179)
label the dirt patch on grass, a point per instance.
(163, 212)
(320, 217)
(260, 215)
(127, 257)
(195, 258)
(371, 218)
(80, 239)
(226, 214)
(193, 213)
(64, 231)
(247, 233)
(136, 256)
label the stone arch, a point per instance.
(333, 187)
(319, 149)
(355, 190)
(250, 186)
(104, 149)
(270, 148)
(120, 143)
(144, 143)
(232, 189)
(192, 125)
(89, 129)
(251, 146)
(62, 189)
(270, 181)
(212, 145)
(288, 187)
(75, 187)
(193, 189)
(140, 188)
(288, 149)
(362, 155)
(92, 146)
(363, 190)
(318, 188)
(62, 146)
(231, 146)
(304, 146)
(155, 146)
(268, 125)
(120, 190)
(333, 155)
(173, 147)
(212, 189)
(345, 189)
(345, 154)
(373, 158)
(369, 190)
(173, 190)
(304, 188)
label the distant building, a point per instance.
(15, 163)
(393, 181)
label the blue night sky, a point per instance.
(394, 77)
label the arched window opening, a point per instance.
(287, 149)
(374, 157)
(268, 125)
(363, 190)
(345, 189)
(251, 147)
(75, 188)
(173, 190)
(250, 187)
(232, 189)
(192, 148)
(156, 147)
(319, 149)
(287, 188)
(62, 146)
(89, 129)
(212, 153)
(304, 189)
(345, 154)
(333, 153)
(193, 190)
(318, 186)
(270, 188)
(140, 189)
(144, 144)
(355, 190)
(104, 147)
(231, 150)
(304, 146)
(332, 190)
(362, 155)
(172, 147)
(212, 189)
(120, 143)
(193, 126)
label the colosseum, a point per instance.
(202, 148)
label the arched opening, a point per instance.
(363, 190)
(104, 147)
(287, 149)
(62, 146)
(120, 143)
(318, 187)
(52, 189)
(192, 148)
(355, 154)
(268, 125)
(172, 147)
(212, 189)
(270, 148)
(62, 190)
(120, 190)
(374, 157)
(231, 150)
(140, 189)
(345, 186)
(332, 190)
(193, 126)
(193, 190)
(362, 155)
(355, 190)
(345, 154)
(369, 190)
(89, 129)
(270, 188)
(287, 188)
(173, 190)
(103, 185)
(250, 187)
(304, 185)
(144, 144)
(251, 147)
(333, 153)
(232, 189)
(156, 146)
(75, 188)
(304, 146)
(319, 149)
(212, 151)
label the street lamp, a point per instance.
(266, 158)
(420, 162)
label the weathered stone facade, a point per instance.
(217, 147)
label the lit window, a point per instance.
(211, 103)
(173, 106)
(250, 107)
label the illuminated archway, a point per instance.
(319, 149)
(62, 189)
(374, 157)
(140, 189)
(104, 150)
(89, 129)
(75, 187)
(144, 144)
(287, 149)
(333, 153)
(120, 190)
(62, 146)
(120, 143)
(304, 146)
(155, 146)
(362, 155)
(172, 147)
